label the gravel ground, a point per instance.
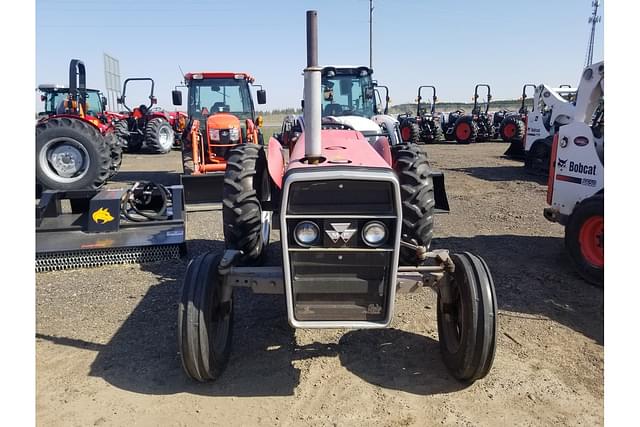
(106, 337)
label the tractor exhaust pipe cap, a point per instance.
(312, 92)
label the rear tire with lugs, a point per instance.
(71, 154)
(246, 185)
(418, 201)
(465, 130)
(158, 135)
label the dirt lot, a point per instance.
(106, 337)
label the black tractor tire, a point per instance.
(537, 159)
(512, 129)
(410, 132)
(437, 133)
(584, 239)
(418, 200)
(205, 320)
(465, 130)
(159, 135)
(467, 323)
(81, 135)
(246, 186)
(115, 145)
(449, 136)
(132, 144)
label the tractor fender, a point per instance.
(382, 147)
(275, 162)
(93, 121)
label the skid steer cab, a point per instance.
(221, 115)
(356, 224)
(576, 178)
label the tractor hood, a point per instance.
(361, 124)
(222, 121)
(345, 148)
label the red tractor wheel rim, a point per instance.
(406, 133)
(463, 131)
(510, 130)
(591, 241)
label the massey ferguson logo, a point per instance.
(341, 230)
(578, 167)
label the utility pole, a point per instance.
(371, 34)
(593, 20)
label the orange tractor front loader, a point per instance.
(221, 115)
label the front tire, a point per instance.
(467, 319)
(246, 185)
(418, 201)
(584, 239)
(205, 320)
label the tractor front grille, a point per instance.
(340, 281)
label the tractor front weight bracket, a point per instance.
(433, 273)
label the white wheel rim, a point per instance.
(64, 160)
(165, 137)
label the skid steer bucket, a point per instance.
(203, 191)
(515, 150)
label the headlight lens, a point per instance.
(306, 233)
(234, 134)
(214, 134)
(374, 233)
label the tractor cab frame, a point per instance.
(221, 114)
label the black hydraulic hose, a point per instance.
(136, 203)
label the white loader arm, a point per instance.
(590, 92)
(561, 110)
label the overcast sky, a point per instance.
(453, 45)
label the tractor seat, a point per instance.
(332, 109)
(220, 107)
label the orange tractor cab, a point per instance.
(221, 115)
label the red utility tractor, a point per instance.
(356, 223)
(76, 146)
(221, 115)
(145, 125)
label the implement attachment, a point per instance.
(88, 228)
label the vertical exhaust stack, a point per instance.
(312, 92)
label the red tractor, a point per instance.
(145, 125)
(221, 115)
(356, 222)
(76, 146)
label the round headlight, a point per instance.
(374, 233)
(306, 233)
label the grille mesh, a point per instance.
(51, 261)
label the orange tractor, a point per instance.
(221, 115)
